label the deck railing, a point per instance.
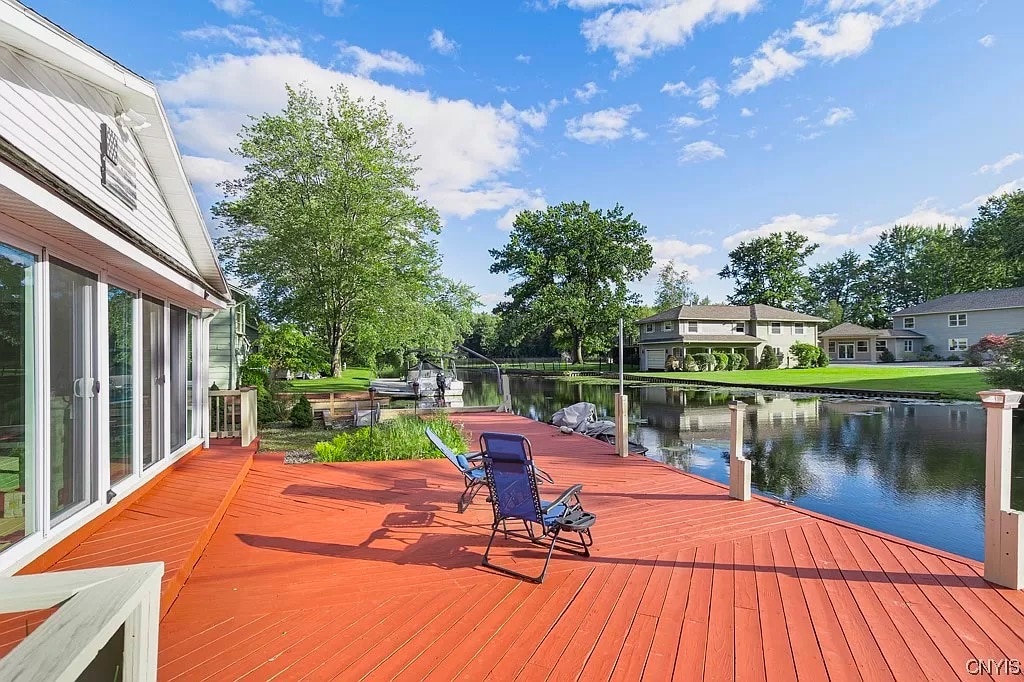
(105, 626)
(233, 414)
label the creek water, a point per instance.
(913, 469)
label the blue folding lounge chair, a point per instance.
(508, 463)
(469, 465)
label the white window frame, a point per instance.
(909, 322)
(908, 345)
(798, 328)
(957, 320)
(958, 345)
(740, 327)
(650, 328)
(240, 318)
(866, 346)
(693, 327)
(667, 326)
(831, 346)
(852, 352)
(880, 345)
(773, 326)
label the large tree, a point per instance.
(675, 288)
(840, 291)
(769, 270)
(325, 225)
(571, 264)
(997, 239)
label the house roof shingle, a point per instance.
(691, 339)
(991, 299)
(848, 329)
(758, 311)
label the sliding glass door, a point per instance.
(121, 348)
(73, 389)
(179, 357)
(17, 396)
(153, 381)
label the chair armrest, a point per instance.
(471, 456)
(565, 496)
(543, 475)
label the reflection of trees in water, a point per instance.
(910, 449)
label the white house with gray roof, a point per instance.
(956, 322)
(748, 329)
(850, 342)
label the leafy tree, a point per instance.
(841, 291)
(1008, 371)
(325, 225)
(483, 335)
(997, 238)
(769, 270)
(286, 348)
(674, 288)
(769, 359)
(572, 264)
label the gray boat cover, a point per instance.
(582, 418)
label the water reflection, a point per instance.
(915, 470)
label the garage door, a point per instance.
(655, 359)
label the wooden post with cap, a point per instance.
(739, 466)
(1004, 526)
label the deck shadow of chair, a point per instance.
(508, 469)
(470, 465)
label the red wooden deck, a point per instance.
(365, 570)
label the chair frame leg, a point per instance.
(516, 574)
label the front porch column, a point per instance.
(1004, 527)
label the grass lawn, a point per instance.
(352, 379)
(960, 383)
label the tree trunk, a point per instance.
(578, 343)
(336, 358)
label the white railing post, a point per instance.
(248, 410)
(506, 394)
(1004, 527)
(621, 424)
(739, 466)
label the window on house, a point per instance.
(958, 344)
(958, 320)
(831, 346)
(908, 323)
(650, 328)
(740, 327)
(240, 319)
(798, 328)
(667, 327)
(862, 346)
(879, 345)
(692, 327)
(776, 327)
(908, 346)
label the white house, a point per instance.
(107, 280)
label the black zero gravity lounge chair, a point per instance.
(508, 465)
(470, 466)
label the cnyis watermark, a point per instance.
(994, 666)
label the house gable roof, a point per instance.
(990, 299)
(849, 329)
(757, 311)
(26, 30)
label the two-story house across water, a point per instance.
(748, 329)
(955, 322)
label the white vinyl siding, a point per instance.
(958, 344)
(55, 119)
(958, 320)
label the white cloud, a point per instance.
(439, 42)
(332, 8)
(235, 8)
(814, 227)
(1000, 165)
(587, 92)
(1006, 187)
(653, 25)
(465, 149)
(245, 37)
(534, 117)
(676, 249)
(746, 112)
(604, 125)
(534, 202)
(205, 172)
(768, 147)
(523, 58)
(706, 92)
(704, 150)
(847, 33)
(987, 40)
(489, 300)
(683, 122)
(838, 115)
(365, 62)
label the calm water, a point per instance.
(912, 469)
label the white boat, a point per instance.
(421, 381)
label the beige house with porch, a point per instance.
(747, 329)
(850, 342)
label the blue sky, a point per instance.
(710, 120)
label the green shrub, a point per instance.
(737, 361)
(1008, 370)
(721, 361)
(886, 356)
(822, 358)
(769, 359)
(302, 413)
(671, 363)
(402, 438)
(689, 364)
(806, 354)
(705, 361)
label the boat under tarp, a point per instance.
(582, 418)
